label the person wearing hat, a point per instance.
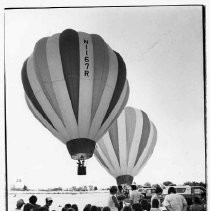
(49, 201)
(19, 204)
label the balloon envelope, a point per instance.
(127, 146)
(76, 86)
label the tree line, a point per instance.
(169, 183)
(93, 188)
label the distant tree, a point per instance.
(90, 187)
(56, 189)
(168, 183)
(195, 184)
(147, 184)
(187, 183)
(85, 188)
(80, 189)
(12, 187)
(95, 188)
(25, 188)
(202, 184)
(73, 188)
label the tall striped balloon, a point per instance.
(126, 147)
(76, 86)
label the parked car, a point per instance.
(187, 191)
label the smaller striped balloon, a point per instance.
(76, 86)
(126, 147)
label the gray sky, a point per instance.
(162, 49)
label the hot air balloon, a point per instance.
(76, 86)
(126, 147)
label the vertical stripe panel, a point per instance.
(106, 96)
(37, 115)
(122, 105)
(98, 157)
(141, 159)
(69, 51)
(121, 79)
(145, 153)
(121, 122)
(86, 83)
(43, 75)
(144, 136)
(43, 121)
(113, 134)
(30, 94)
(104, 158)
(136, 140)
(101, 70)
(111, 152)
(130, 116)
(104, 149)
(60, 87)
(41, 98)
(151, 148)
(115, 112)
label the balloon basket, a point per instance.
(81, 168)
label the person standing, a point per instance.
(19, 204)
(196, 206)
(106, 209)
(120, 196)
(112, 200)
(145, 205)
(127, 208)
(157, 195)
(174, 201)
(75, 207)
(87, 207)
(135, 195)
(137, 207)
(155, 205)
(32, 204)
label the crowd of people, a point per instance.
(120, 199)
(32, 205)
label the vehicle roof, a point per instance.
(147, 187)
(184, 186)
(188, 188)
